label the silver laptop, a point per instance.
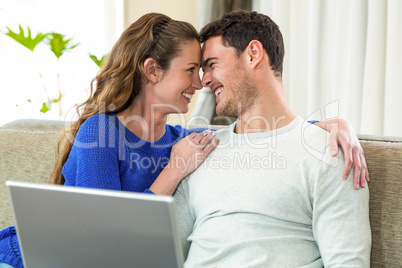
(61, 226)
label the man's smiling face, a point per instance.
(224, 73)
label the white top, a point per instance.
(273, 199)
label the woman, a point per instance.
(121, 140)
(151, 72)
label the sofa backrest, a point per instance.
(384, 161)
(27, 153)
(27, 149)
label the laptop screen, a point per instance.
(61, 226)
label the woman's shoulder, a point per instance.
(182, 131)
(100, 119)
(96, 125)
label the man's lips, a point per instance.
(217, 90)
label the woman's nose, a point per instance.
(197, 83)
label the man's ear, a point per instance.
(152, 70)
(255, 53)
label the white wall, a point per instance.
(87, 22)
(185, 10)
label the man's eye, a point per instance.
(211, 64)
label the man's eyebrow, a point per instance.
(205, 63)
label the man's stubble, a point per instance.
(241, 95)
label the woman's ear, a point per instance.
(255, 53)
(152, 70)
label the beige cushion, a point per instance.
(27, 153)
(384, 160)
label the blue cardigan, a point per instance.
(106, 155)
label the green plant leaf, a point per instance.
(26, 41)
(56, 100)
(99, 61)
(44, 108)
(59, 44)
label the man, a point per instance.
(262, 198)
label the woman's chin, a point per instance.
(184, 109)
(180, 110)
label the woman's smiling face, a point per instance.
(179, 83)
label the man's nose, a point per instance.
(206, 79)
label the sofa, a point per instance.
(27, 153)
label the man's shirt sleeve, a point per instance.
(340, 217)
(184, 217)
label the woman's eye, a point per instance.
(191, 69)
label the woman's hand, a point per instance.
(342, 134)
(186, 156)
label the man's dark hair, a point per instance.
(239, 28)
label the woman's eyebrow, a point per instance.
(195, 63)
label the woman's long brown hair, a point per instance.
(118, 82)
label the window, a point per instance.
(95, 25)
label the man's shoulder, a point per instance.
(310, 144)
(223, 132)
(315, 141)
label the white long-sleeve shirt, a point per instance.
(273, 199)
